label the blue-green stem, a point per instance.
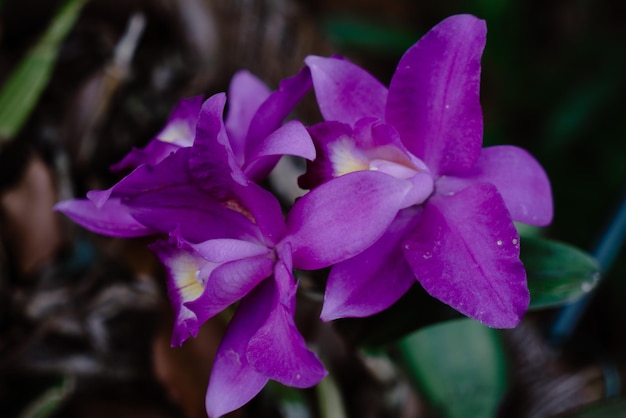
(568, 318)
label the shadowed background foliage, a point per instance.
(84, 320)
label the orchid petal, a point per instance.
(283, 276)
(178, 132)
(169, 172)
(520, 179)
(277, 349)
(374, 279)
(373, 133)
(112, 219)
(290, 139)
(193, 212)
(223, 250)
(465, 252)
(423, 187)
(212, 156)
(352, 211)
(434, 95)
(278, 106)
(228, 283)
(245, 95)
(262, 207)
(153, 153)
(344, 91)
(181, 125)
(182, 266)
(325, 136)
(233, 381)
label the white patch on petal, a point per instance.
(177, 132)
(184, 271)
(345, 158)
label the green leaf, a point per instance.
(459, 366)
(330, 401)
(50, 401)
(609, 408)
(22, 90)
(557, 273)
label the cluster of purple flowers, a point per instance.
(400, 190)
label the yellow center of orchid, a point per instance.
(346, 158)
(177, 132)
(184, 270)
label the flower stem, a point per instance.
(568, 318)
(605, 253)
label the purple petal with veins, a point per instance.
(521, 181)
(245, 95)
(465, 252)
(111, 219)
(234, 382)
(342, 217)
(345, 92)
(373, 280)
(290, 139)
(434, 95)
(277, 349)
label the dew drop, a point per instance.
(298, 376)
(499, 242)
(447, 106)
(427, 255)
(514, 241)
(586, 287)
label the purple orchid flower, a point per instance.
(454, 232)
(253, 125)
(229, 242)
(253, 135)
(178, 132)
(262, 341)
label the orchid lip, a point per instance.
(392, 168)
(411, 169)
(388, 159)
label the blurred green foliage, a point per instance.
(557, 273)
(20, 93)
(459, 366)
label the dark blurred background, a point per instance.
(85, 318)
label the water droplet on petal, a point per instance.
(427, 255)
(499, 242)
(514, 241)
